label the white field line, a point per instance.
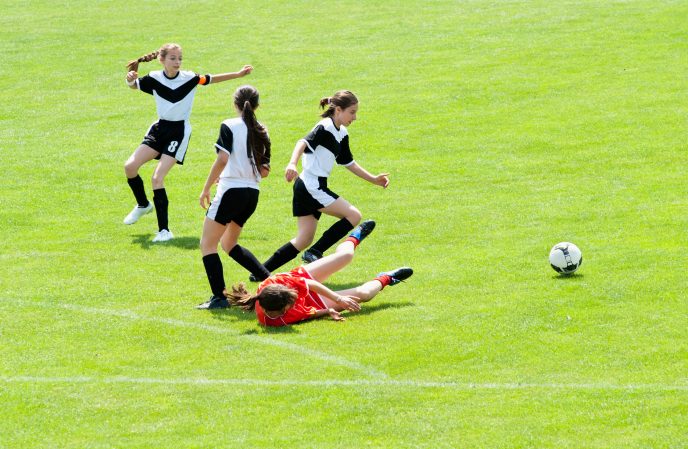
(226, 330)
(460, 386)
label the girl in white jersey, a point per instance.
(243, 158)
(168, 138)
(325, 145)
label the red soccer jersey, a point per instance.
(307, 302)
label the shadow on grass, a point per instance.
(234, 314)
(146, 242)
(292, 329)
(575, 277)
(372, 308)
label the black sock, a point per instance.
(333, 235)
(283, 255)
(136, 185)
(246, 259)
(160, 201)
(213, 269)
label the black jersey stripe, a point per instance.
(322, 137)
(171, 95)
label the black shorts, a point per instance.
(233, 204)
(309, 197)
(170, 138)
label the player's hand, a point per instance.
(336, 316)
(204, 199)
(131, 76)
(349, 303)
(382, 180)
(290, 173)
(246, 70)
(264, 170)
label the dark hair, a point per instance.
(134, 64)
(246, 99)
(272, 297)
(342, 98)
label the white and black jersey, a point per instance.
(240, 170)
(237, 192)
(325, 145)
(173, 96)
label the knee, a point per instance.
(207, 247)
(157, 181)
(303, 240)
(354, 216)
(130, 168)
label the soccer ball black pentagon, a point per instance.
(565, 258)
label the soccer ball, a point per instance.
(565, 258)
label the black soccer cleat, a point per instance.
(398, 275)
(253, 278)
(311, 255)
(363, 230)
(215, 302)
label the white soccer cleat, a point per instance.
(163, 236)
(137, 212)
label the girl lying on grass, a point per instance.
(288, 298)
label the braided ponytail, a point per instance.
(133, 65)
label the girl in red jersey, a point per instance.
(288, 298)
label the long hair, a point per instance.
(272, 297)
(133, 65)
(342, 98)
(246, 99)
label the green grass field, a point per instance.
(506, 126)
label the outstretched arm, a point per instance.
(290, 173)
(230, 76)
(381, 180)
(347, 302)
(215, 171)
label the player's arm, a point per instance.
(381, 180)
(232, 75)
(348, 302)
(215, 170)
(336, 316)
(290, 173)
(131, 79)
